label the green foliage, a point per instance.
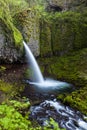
(19, 105)
(78, 100)
(10, 90)
(10, 119)
(52, 125)
(5, 87)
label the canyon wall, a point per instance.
(57, 31)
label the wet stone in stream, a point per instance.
(64, 115)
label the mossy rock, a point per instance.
(78, 100)
(7, 20)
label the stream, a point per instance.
(64, 115)
(45, 106)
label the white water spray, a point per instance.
(37, 78)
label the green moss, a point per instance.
(6, 18)
(27, 22)
(45, 39)
(10, 90)
(67, 32)
(5, 87)
(18, 38)
(78, 100)
(17, 6)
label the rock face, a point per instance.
(10, 37)
(62, 33)
(28, 24)
(8, 51)
(14, 27)
(67, 4)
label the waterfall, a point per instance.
(37, 75)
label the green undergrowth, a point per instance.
(9, 90)
(5, 87)
(11, 117)
(78, 100)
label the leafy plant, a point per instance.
(10, 119)
(52, 125)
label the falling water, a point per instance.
(37, 75)
(37, 78)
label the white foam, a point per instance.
(82, 124)
(53, 84)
